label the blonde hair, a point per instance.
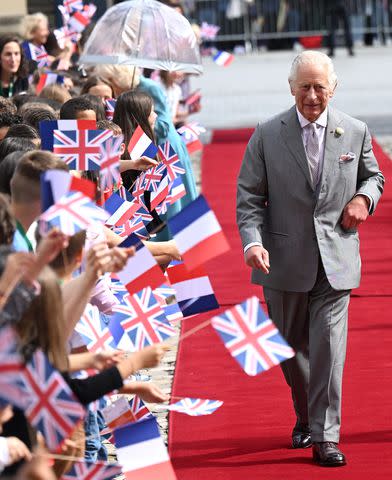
(120, 77)
(55, 92)
(42, 325)
(313, 57)
(30, 23)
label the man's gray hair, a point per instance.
(313, 57)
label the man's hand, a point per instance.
(355, 212)
(257, 257)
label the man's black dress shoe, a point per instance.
(327, 454)
(301, 436)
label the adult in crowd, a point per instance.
(300, 203)
(35, 31)
(13, 67)
(337, 10)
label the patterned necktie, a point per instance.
(313, 152)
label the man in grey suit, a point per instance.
(308, 180)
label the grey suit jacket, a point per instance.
(278, 206)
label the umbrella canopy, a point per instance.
(144, 33)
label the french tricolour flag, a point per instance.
(47, 127)
(197, 233)
(142, 269)
(142, 453)
(223, 59)
(56, 183)
(121, 210)
(194, 292)
(141, 145)
(48, 79)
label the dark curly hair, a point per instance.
(23, 69)
(7, 221)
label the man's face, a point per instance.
(312, 90)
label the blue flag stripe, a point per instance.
(137, 432)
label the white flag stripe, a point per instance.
(122, 210)
(143, 454)
(194, 287)
(202, 228)
(142, 144)
(60, 180)
(137, 265)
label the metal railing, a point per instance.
(281, 23)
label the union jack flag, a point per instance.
(95, 331)
(177, 191)
(190, 134)
(208, 31)
(110, 161)
(195, 407)
(71, 5)
(136, 226)
(11, 364)
(191, 131)
(80, 149)
(122, 412)
(36, 53)
(170, 159)
(52, 408)
(92, 471)
(152, 178)
(166, 296)
(143, 319)
(138, 409)
(251, 337)
(110, 105)
(138, 190)
(159, 195)
(72, 213)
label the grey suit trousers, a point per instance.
(314, 323)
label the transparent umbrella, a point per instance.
(144, 33)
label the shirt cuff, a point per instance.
(252, 244)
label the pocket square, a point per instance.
(347, 157)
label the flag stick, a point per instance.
(57, 456)
(191, 331)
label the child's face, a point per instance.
(86, 115)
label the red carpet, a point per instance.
(248, 437)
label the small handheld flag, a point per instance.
(193, 289)
(141, 145)
(197, 233)
(142, 453)
(141, 270)
(223, 59)
(46, 128)
(251, 337)
(195, 407)
(48, 79)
